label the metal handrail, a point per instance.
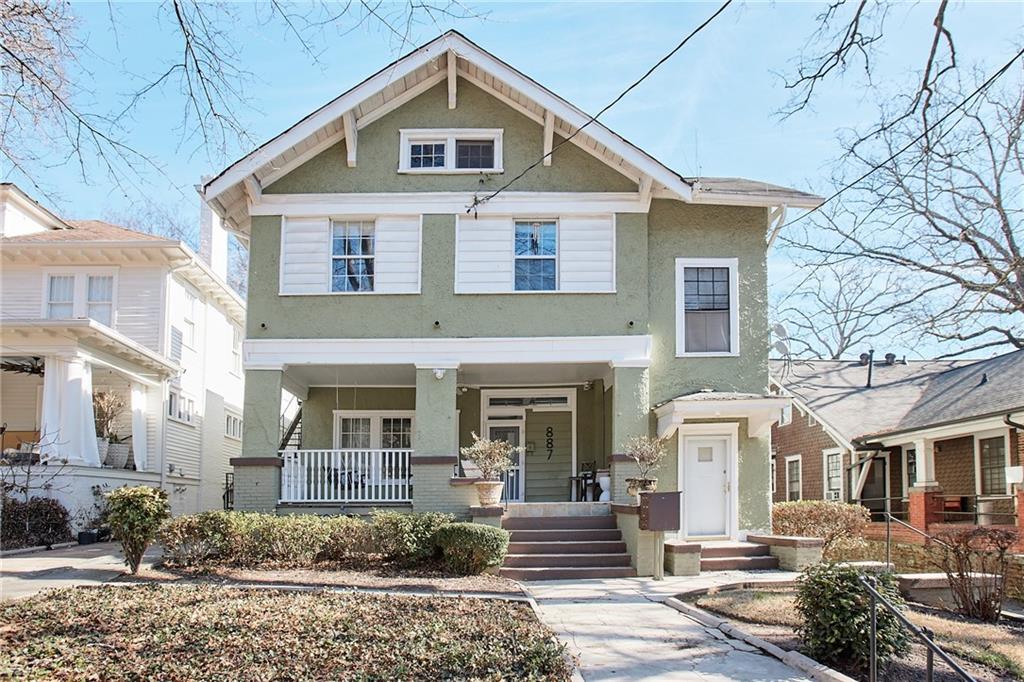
(926, 636)
(889, 518)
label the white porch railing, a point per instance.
(346, 476)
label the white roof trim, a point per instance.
(460, 45)
(830, 430)
(760, 413)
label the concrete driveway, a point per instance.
(620, 630)
(24, 575)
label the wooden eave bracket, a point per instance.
(348, 119)
(253, 190)
(646, 188)
(452, 80)
(549, 135)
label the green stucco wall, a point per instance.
(319, 406)
(572, 169)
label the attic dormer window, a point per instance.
(455, 150)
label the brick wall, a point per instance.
(954, 465)
(807, 440)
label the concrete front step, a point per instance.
(582, 547)
(733, 549)
(566, 535)
(557, 522)
(739, 563)
(565, 560)
(567, 573)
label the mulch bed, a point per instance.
(376, 576)
(206, 632)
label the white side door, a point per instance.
(707, 492)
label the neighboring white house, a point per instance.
(89, 307)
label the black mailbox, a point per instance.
(659, 511)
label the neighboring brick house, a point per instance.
(866, 422)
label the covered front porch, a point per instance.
(388, 432)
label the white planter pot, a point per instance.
(101, 445)
(489, 492)
(117, 455)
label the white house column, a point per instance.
(924, 456)
(68, 429)
(140, 449)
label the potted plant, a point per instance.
(107, 408)
(493, 458)
(118, 450)
(647, 452)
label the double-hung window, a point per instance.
(373, 430)
(100, 298)
(60, 302)
(233, 426)
(180, 407)
(992, 453)
(833, 474)
(352, 256)
(707, 310)
(450, 150)
(536, 255)
(189, 320)
(794, 478)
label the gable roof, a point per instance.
(904, 396)
(448, 55)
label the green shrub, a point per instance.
(836, 613)
(347, 537)
(838, 524)
(135, 515)
(197, 538)
(407, 539)
(470, 548)
(39, 521)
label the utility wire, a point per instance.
(980, 89)
(477, 201)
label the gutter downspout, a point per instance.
(1010, 422)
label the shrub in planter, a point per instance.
(197, 539)
(838, 524)
(38, 521)
(836, 613)
(470, 548)
(407, 539)
(135, 515)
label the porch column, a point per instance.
(435, 443)
(257, 472)
(924, 457)
(68, 429)
(631, 407)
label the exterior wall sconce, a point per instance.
(439, 374)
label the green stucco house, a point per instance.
(407, 298)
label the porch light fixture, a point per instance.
(439, 373)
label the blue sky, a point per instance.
(710, 110)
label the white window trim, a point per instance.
(448, 136)
(181, 395)
(190, 317)
(985, 435)
(786, 415)
(734, 305)
(375, 417)
(825, 454)
(730, 432)
(80, 296)
(331, 257)
(557, 257)
(905, 457)
(800, 469)
(237, 358)
(241, 425)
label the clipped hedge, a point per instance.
(248, 539)
(836, 613)
(39, 521)
(471, 548)
(838, 524)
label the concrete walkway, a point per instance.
(620, 630)
(24, 575)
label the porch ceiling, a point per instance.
(468, 374)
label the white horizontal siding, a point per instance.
(22, 293)
(586, 258)
(140, 307)
(305, 255)
(397, 255)
(483, 255)
(183, 446)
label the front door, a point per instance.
(511, 433)
(707, 491)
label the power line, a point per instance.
(981, 88)
(478, 200)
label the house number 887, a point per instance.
(549, 440)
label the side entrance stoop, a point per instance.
(565, 548)
(736, 556)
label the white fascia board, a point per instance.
(576, 118)
(329, 112)
(832, 432)
(279, 353)
(405, 203)
(760, 413)
(759, 200)
(944, 432)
